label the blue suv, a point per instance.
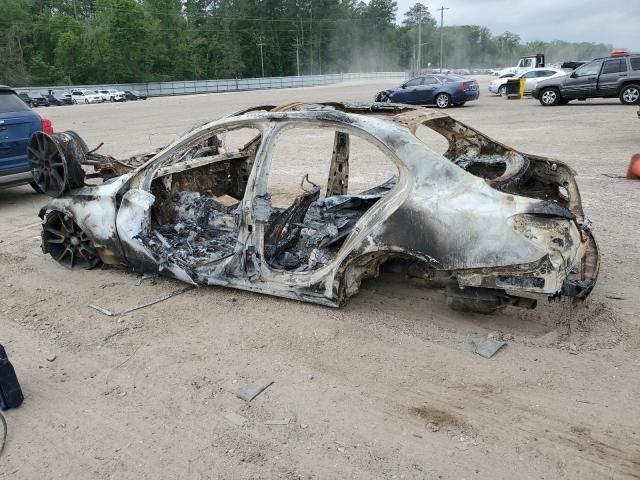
(17, 123)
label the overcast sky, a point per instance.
(608, 21)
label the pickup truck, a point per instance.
(611, 77)
(524, 65)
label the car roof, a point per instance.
(5, 88)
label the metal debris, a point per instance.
(252, 390)
(284, 421)
(236, 418)
(488, 348)
(102, 310)
(144, 305)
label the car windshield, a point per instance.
(9, 102)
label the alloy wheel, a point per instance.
(67, 243)
(631, 95)
(549, 97)
(442, 100)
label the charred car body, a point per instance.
(492, 225)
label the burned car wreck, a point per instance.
(491, 225)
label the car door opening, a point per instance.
(195, 219)
(306, 233)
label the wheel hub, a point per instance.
(67, 243)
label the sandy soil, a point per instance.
(387, 387)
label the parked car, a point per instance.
(111, 95)
(611, 77)
(34, 99)
(134, 95)
(532, 77)
(17, 123)
(86, 96)
(441, 90)
(469, 218)
(59, 97)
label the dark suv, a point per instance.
(615, 76)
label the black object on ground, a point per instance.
(10, 391)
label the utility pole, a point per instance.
(297, 45)
(441, 10)
(260, 45)
(413, 65)
(419, 63)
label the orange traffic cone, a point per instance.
(634, 167)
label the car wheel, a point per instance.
(86, 101)
(549, 97)
(55, 163)
(67, 243)
(111, 99)
(443, 100)
(630, 94)
(502, 91)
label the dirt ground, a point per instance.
(387, 387)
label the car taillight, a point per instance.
(46, 126)
(464, 86)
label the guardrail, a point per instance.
(157, 89)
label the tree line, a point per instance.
(57, 42)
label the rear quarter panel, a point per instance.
(15, 130)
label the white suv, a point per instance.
(112, 95)
(85, 96)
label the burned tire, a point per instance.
(473, 300)
(443, 100)
(483, 306)
(55, 161)
(67, 243)
(630, 94)
(549, 97)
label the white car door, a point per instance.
(530, 80)
(539, 76)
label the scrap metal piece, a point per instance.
(252, 390)
(488, 348)
(144, 305)
(236, 418)
(284, 421)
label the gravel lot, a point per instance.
(386, 387)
